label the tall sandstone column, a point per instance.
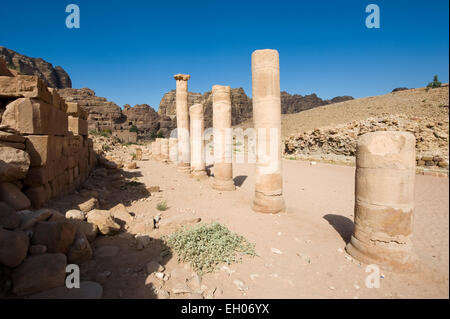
(197, 127)
(164, 149)
(223, 170)
(384, 200)
(183, 122)
(267, 123)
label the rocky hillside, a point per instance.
(54, 77)
(334, 129)
(241, 104)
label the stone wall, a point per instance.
(432, 138)
(44, 148)
(126, 136)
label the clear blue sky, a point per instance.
(128, 51)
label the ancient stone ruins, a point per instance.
(45, 153)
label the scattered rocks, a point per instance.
(90, 230)
(88, 205)
(102, 218)
(30, 218)
(120, 212)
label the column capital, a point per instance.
(181, 77)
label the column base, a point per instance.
(199, 174)
(268, 204)
(184, 168)
(395, 260)
(224, 185)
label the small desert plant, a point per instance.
(435, 83)
(206, 246)
(162, 206)
(106, 133)
(133, 156)
(134, 128)
(106, 148)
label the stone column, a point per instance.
(156, 149)
(164, 149)
(183, 122)
(223, 170)
(384, 200)
(197, 128)
(267, 124)
(173, 150)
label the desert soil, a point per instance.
(432, 104)
(311, 237)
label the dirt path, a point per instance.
(311, 236)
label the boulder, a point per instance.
(13, 247)
(80, 251)
(57, 236)
(12, 195)
(9, 219)
(90, 230)
(88, 205)
(14, 164)
(87, 290)
(28, 218)
(38, 273)
(120, 213)
(75, 214)
(102, 218)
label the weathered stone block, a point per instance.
(39, 175)
(42, 149)
(78, 126)
(26, 86)
(74, 110)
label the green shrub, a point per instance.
(162, 206)
(435, 83)
(206, 246)
(134, 128)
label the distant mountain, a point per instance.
(54, 77)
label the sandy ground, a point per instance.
(311, 236)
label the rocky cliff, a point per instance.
(54, 77)
(241, 104)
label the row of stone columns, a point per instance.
(385, 165)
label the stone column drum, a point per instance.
(267, 124)
(197, 127)
(164, 149)
(173, 150)
(384, 200)
(156, 149)
(183, 122)
(223, 170)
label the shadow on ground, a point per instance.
(343, 225)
